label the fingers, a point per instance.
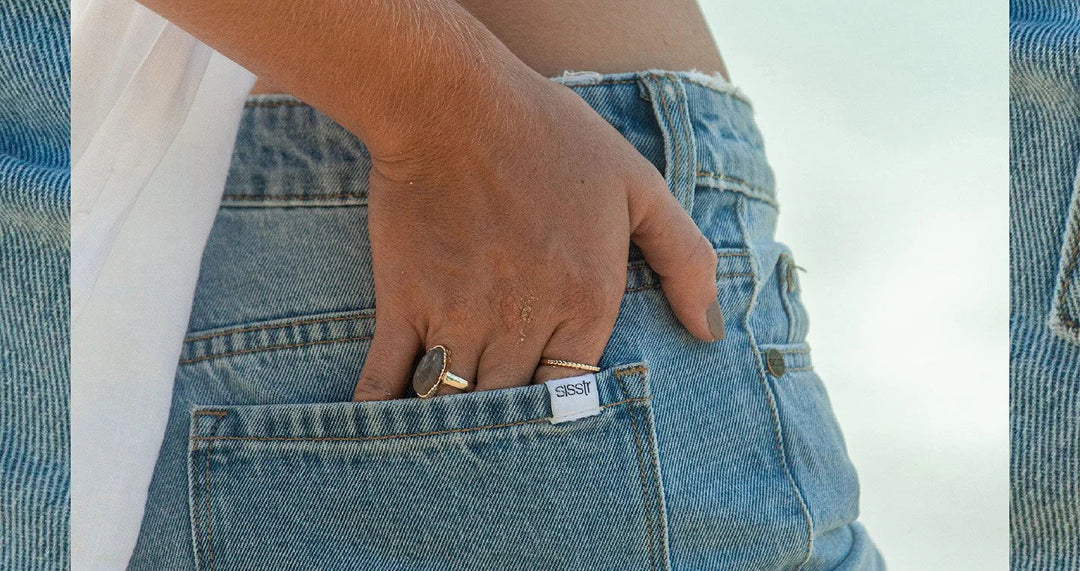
(463, 360)
(570, 342)
(685, 260)
(388, 366)
(505, 364)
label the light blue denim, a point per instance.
(1044, 309)
(35, 190)
(699, 459)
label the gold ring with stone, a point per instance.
(433, 371)
(570, 365)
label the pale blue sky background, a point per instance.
(886, 123)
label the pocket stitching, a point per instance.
(660, 539)
(395, 436)
(1062, 323)
(641, 471)
(1066, 283)
(274, 347)
(195, 509)
(209, 516)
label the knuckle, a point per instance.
(591, 294)
(369, 388)
(701, 256)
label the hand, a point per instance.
(505, 238)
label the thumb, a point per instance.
(676, 249)
(389, 362)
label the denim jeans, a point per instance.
(1044, 312)
(703, 456)
(35, 192)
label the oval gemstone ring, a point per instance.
(433, 371)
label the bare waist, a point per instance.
(552, 36)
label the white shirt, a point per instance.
(154, 117)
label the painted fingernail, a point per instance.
(716, 321)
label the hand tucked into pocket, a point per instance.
(505, 238)
(501, 205)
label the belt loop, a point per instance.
(668, 96)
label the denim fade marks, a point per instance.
(1044, 360)
(34, 334)
(699, 460)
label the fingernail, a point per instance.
(716, 321)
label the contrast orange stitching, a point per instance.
(392, 436)
(218, 413)
(641, 471)
(620, 373)
(280, 326)
(273, 347)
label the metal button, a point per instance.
(774, 362)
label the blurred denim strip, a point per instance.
(34, 197)
(704, 455)
(1044, 115)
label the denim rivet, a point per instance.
(774, 362)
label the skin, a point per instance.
(501, 206)
(551, 36)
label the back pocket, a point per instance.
(1065, 312)
(471, 481)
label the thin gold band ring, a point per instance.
(570, 365)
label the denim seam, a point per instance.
(280, 326)
(688, 129)
(661, 511)
(1066, 283)
(333, 320)
(669, 129)
(198, 522)
(720, 254)
(209, 516)
(641, 470)
(393, 436)
(789, 310)
(277, 197)
(748, 189)
(196, 517)
(770, 399)
(754, 191)
(203, 337)
(718, 276)
(273, 347)
(605, 82)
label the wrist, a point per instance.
(453, 108)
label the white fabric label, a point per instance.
(573, 398)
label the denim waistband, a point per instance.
(700, 125)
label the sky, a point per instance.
(887, 126)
